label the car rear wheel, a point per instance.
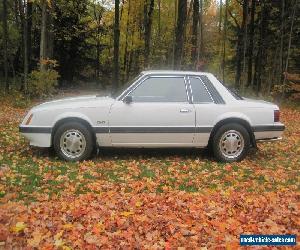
(231, 143)
(73, 142)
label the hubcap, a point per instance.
(231, 144)
(72, 143)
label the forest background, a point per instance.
(251, 45)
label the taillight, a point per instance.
(276, 115)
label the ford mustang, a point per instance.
(157, 109)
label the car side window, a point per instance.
(200, 93)
(160, 89)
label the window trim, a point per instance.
(146, 77)
(199, 78)
(130, 88)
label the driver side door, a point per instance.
(160, 115)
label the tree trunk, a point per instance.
(290, 37)
(281, 40)
(260, 58)
(5, 45)
(179, 33)
(224, 40)
(245, 33)
(174, 35)
(239, 52)
(116, 46)
(126, 40)
(251, 43)
(195, 33)
(29, 31)
(220, 34)
(289, 45)
(43, 42)
(97, 55)
(23, 47)
(148, 13)
(201, 43)
(25, 32)
(98, 18)
(220, 17)
(50, 31)
(159, 19)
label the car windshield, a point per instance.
(122, 88)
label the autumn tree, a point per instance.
(251, 43)
(179, 33)
(5, 45)
(148, 15)
(195, 32)
(261, 52)
(224, 40)
(241, 33)
(43, 41)
(116, 45)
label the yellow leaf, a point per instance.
(138, 204)
(126, 214)
(19, 227)
(66, 248)
(58, 235)
(68, 226)
(59, 243)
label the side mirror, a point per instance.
(128, 99)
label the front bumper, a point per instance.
(37, 136)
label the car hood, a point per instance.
(75, 102)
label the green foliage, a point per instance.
(42, 83)
(20, 100)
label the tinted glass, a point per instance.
(200, 93)
(160, 89)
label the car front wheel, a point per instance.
(231, 143)
(73, 142)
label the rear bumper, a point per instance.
(269, 140)
(268, 133)
(264, 128)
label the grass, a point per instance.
(28, 172)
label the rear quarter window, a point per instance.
(199, 91)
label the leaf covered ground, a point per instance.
(145, 199)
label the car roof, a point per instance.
(173, 72)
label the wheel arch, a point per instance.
(236, 120)
(84, 122)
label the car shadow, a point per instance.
(132, 153)
(141, 153)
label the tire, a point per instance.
(231, 143)
(73, 141)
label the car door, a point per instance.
(159, 115)
(206, 110)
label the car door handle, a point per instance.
(185, 110)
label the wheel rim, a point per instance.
(72, 143)
(231, 144)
